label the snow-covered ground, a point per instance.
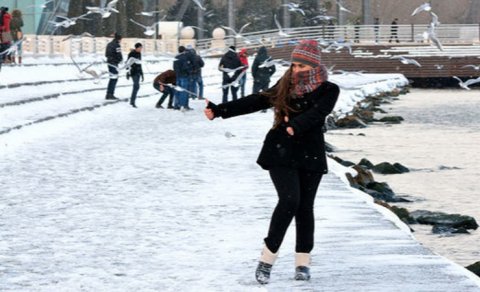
(123, 199)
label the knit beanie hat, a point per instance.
(307, 52)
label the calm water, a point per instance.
(440, 141)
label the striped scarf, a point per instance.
(307, 81)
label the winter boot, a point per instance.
(302, 266)
(110, 96)
(262, 273)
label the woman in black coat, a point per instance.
(293, 151)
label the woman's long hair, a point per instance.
(280, 96)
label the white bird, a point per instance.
(338, 46)
(104, 11)
(199, 4)
(12, 48)
(91, 72)
(239, 34)
(71, 36)
(280, 29)
(229, 71)
(149, 29)
(294, 7)
(423, 7)
(269, 63)
(342, 8)
(178, 88)
(323, 17)
(236, 82)
(472, 66)
(439, 66)
(430, 33)
(128, 63)
(67, 22)
(149, 13)
(198, 28)
(229, 135)
(406, 61)
(466, 84)
(43, 5)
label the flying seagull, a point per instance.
(199, 4)
(239, 34)
(280, 29)
(466, 84)
(472, 66)
(406, 61)
(104, 11)
(294, 7)
(149, 29)
(342, 8)
(149, 13)
(423, 7)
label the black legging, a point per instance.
(296, 190)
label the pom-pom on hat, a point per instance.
(307, 52)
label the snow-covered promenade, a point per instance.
(122, 199)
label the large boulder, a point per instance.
(388, 168)
(382, 191)
(366, 163)
(350, 122)
(401, 213)
(444, 219)
(391, 119)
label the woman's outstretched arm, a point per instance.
(246, 105)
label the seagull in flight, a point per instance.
(149, 30)
(466, 84)
(236, 82)
(281, 32)
(294, 7)
(67, 22)
(91, 72)
(149, 13)
(12, 48)
(439, 66)
(179, 89)
(199, 4)
(423, 7)
(104, 11)
(406, 61)
(229, 71)
(342, 8)
(472, 66)
(271, 62)
(239, 34)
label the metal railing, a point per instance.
(363, 34)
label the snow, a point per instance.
(123, 199)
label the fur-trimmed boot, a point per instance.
(302, 266)
(262, 273)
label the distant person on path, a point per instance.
(229, 62)
(16, 30)
(330, 29)
(182, 66)
(261, 75)
(376, 29)
(244, 60)
(394, 31)
(135, 72)
(357, 31)
(196, 85)
(113, 52)
(5, 34)
(167, 77)
(293, 151)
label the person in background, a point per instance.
(136, 71)
(357, 31)
(5, 34)
(376, 28)
(16, 30)
(293, 151)
(394, 31)
(196, 82)
(230, 65)
(261, 75)
(167, 77)
(113, 52)
(244, 60)
(183, 66)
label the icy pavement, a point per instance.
(154, 200)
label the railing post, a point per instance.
(412, 36)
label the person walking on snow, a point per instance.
(229, 62)
(183, 66)
(244, 60)
(261, 75)
(136, 71)
(113, 52)
(293, 151)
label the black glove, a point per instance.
(214, 108)
(128, 75)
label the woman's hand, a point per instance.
(289, 129)
(208, 112)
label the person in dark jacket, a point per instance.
(136, 71)
(231, 66)
(293, 151)
(261, 75)
(113, 52)
(394, 31)
(182, 66)
(159, 83)
(16, 30)
(196, 81)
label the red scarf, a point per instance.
(307, 81)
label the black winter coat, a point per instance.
(183, 64)
(231, 61)
(306, 148)
(135, 69)
(113, 52)
(262, 74)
